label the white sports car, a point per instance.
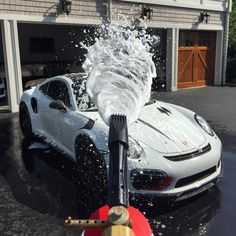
(172, 151)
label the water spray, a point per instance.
(120, 71)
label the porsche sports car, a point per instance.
(172, 151)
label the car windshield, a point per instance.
(83, 100)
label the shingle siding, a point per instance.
(91, 9)
(166, 14)
(80, 9)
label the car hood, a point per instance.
(163, 128)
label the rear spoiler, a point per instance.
(33, 83)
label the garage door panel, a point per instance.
(185, 69)
(187, 76)
(196, 60)
(205, 66)
(202, 72)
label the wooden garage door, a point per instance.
(196, 66)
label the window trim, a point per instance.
(70, 97)
(40, 90)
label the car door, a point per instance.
(43, 102)
(60, 127)
(70, 122)
(63, 126)
(48, 116)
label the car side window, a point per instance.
(43, 88)
(58, 91)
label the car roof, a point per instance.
(73, 77)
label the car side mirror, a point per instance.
(58, 105)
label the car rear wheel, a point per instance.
(91, 174)
(25, 121)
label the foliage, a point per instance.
(231, 62)
(231, 72)
(232, 31)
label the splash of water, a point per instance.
(120, 71)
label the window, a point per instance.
(206, 39)
(203, 39)
(58, 91)
(42, 45)
(186, 39)
(43, 88)
(83, 100)
(197, 39)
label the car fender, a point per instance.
(99, 138)
(26, 98)
(190, 115)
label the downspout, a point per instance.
(225, 42)
(109, 10)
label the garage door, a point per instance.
(196, 65)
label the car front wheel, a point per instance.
(25, 121)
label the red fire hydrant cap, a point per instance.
(140, 223)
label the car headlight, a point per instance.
(135, 151)
(203, 124)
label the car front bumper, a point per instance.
(188, 191)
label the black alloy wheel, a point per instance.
(25, 121)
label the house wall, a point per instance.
(218, 5)
(52, 8)
(179, 12)
(167, 14)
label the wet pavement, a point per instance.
(37, 191)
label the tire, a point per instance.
(25, 121)
(91, 174)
